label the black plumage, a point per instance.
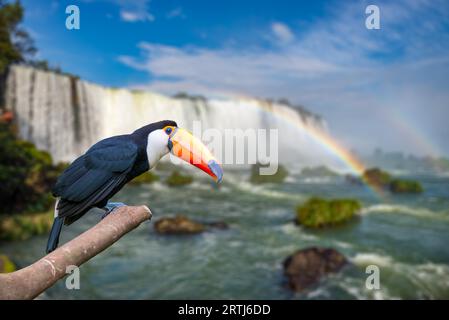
(95, 177)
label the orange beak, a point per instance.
(190, 149)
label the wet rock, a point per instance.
(405, 186)
(183, 225)
(306, 267)
(318, 212)
(377, 177)
(178, 225)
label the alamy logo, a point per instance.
(373, 20)
(73, 20)
(239, 147)
(73, 279)
(373, 280)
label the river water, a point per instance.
(406, 236)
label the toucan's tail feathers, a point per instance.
(53, 238)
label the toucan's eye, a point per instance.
(168, 130)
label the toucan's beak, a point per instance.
(185, 146)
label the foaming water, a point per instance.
(432, 279)
(264, 190)
(406, 238)
(402, 209)
(365, 259)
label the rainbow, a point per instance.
(351, 161)
(408, 129)
(333, 147)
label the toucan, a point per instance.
(93, 178)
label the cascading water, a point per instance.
(65, 115)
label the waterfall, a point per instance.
(65, 115)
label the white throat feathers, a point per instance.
(156, 146)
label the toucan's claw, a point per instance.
(110, 207)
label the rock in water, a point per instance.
(318, 212)
(307, 266)
(178, 225)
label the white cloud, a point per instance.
(131, 11)
(282, 32)
(176, 13)
(130, 16)
(356, 78)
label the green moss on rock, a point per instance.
(177, 179)
(383, 179)
(24, 226)
(405, 186)
(147, 177)
(317, 212)
(6, 265)
(278, 177)
(377, 177)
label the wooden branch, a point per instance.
(29, 282)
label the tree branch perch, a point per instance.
(29, 282)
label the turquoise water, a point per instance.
(407, 236)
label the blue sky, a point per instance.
(386, 87)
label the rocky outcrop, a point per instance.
(383, 179)
(306, 267)
(178, 225)
(405, 186)
(318, 212)
(183, 225)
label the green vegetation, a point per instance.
(15, 43)
(24, 226)
(26, 174)
(6, 265)
(317, 212)
(377, 177)
(405, 186)
(257, 178)
(147, 177)
(320, 171)
(384, 180)
(177, 179)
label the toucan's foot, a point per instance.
(110, 207)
